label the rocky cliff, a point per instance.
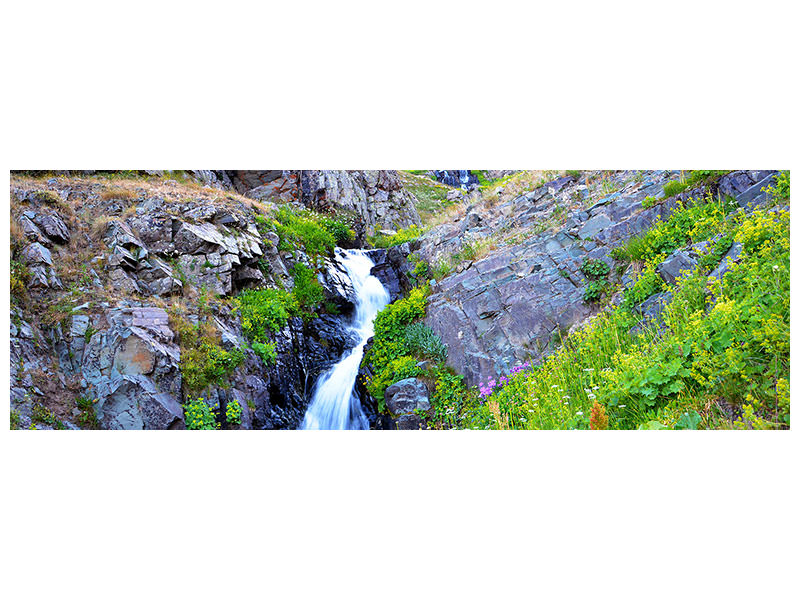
(117, 283)
(520, 298)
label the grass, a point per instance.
(430, 194)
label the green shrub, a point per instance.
(449, 398)
(649, 201)
(302, 230)
(233, 413)
(648, 283)
(780, 190)
(673, 188)
(20, 277)
(574, 173)
(338, 229)
(265, 311)
(400, 368)
(308, 290)
(421, 341)
(595, 269)
(694, 221)
(266, 352)
(388, 354)
(197, 415)
(208, 364)
(401, 237)
(698, 177)
(594, 290)
(442, 269)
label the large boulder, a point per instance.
(131, 369)
(404, 398)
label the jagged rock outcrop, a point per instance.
(515, 304)
(141, 256)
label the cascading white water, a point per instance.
(335, 405)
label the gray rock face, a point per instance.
(515, 304)
(403, 398)
(377, 196)
(53, 227)
(132, 370)
(676, 265)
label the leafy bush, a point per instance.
(338, 229)
(595, 269)
(400, 368)
(198, 415)
(694, 221)
(308, 290)
(648, 283)
(388, 354)
(208, 364)
(20, 276)
(264, 311)
(421, 341)
(698, 177)
(449, 398)
(594, 290)
(649, 202)
(266, 352)
(441, 270)
(233, 412)
(673, 188)
(300, 229)
(780, 190)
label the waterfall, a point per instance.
(334, 404)
(460, 178)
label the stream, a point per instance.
(334, 404)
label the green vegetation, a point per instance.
(596, 272)
(264, 311)
(314, 234)
(266, 352)
(233, 413)
(198, 415)
(389, 355)
(308, 292)
(401, 237)
(20, 277)
(700, 367)
(673, 188)
(87, 419)
(203, 360)
(430, 194)
(420, 340)
(780, 190)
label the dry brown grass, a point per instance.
(519, 183)
(17, 235)
(118, 193)
(494, 408)
(100, 226)
(448, 215)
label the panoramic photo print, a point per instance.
(399, 300)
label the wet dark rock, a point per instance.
(404, 398)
